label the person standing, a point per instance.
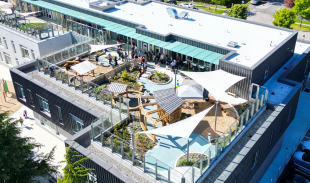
(110, 58)
(21, 121)
(167, 64)
(115, 60)
(145, 66)
(25, 114)
(126, 57)
(140, 53)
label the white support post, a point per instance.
(215, 115)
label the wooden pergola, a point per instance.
(165, 116)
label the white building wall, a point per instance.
(40, 48)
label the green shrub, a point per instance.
(185, 162)
(131, 69)
(125, 75)
(149, 146)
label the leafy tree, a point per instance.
(302, 8)
(73, 172)
(18, 160)
(220, 2)
(289, 3)
(238, 11)
(284, 18)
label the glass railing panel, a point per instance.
(65, 54)
(106, 141)
(79, 49)
(58, 73)
(139, 158)
(150, 165)
(58, 57)
(127, 152)
(162, 171)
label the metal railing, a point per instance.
(161, 171)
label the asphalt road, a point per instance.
(263, 12)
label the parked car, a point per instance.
(187, 5)
(305, 146)
(255, 1)
(172, 2)
(290, 177)
(301, 161)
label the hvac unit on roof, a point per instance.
(232, 44)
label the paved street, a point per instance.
(263, 12)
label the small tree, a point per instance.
(238, 11)
(289, 3)
(284, 18)
(220, 2)
(302, 8)
(19, 161)
(73, 172)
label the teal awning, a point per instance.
(149, 40)
(156, 42)
(125, 31)
(117, 30)
(163, 44)
(172, 45)
(129, 34)
(203, 55)
(177, 49)
(195, 52)
(136, 36)
(111, 28)
(142, 38)
(188, 50)
(211, 57)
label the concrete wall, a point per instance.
(40, 48)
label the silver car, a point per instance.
(187, 5)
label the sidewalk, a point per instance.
(293, 134)
(40, 135)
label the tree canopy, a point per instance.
(73, 172)
(284, 18)
(238, 11)
(19, 161)
(302, 8)
(218, 2)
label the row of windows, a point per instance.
(7, 58)
(77, 124)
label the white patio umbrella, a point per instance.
(216, 82)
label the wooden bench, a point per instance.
(232, 94)
(140, 84)
(149, 77)
(141, 88)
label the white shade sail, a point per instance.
(216, 82)
(94, 48)
(190, 92)
(183, 128)
(84, 67)
(28, 13)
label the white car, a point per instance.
(187, 5)
(305, 146)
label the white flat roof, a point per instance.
(281, 90)
(255, 41)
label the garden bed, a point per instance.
(193, 157)
(128, 77)
(160, 78)
(241, 108)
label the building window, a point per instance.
(60, 115)
(17, 62)
(44, 107)
(0, 42)
(31, 98)
(13, 46)
(1, 58)
(5, 44)
(21, 93)
(266, 72)
(33, 55)
(91, 178)
(255, 159)
(44, 121)
(24, 51)
(7, 58)
(270, 140)
(77, 124)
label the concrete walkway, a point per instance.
(40, 135)
(292, 135)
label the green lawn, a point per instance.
(211, 10)
(303, 22)
(31, 24)
(302, 28)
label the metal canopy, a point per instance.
(179, 48)
(129, 34)
(149, 40)
(211, 57)
(195, 52)
(163, 44)
(217, 60)
(188, 50)
(142, 38)
(172, 45)
(119, 29)
(203, 55)
(156, 42)
(125, 31)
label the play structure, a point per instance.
(168, 109)
(118, 88)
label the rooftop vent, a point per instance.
(232, 44)
(172, 12)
